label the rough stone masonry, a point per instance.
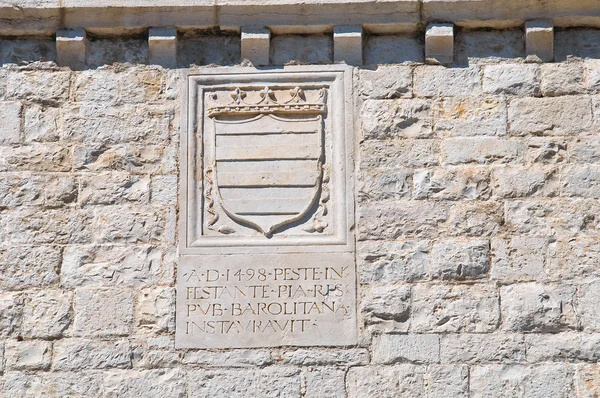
(477, 200)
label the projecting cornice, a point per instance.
(45, 17)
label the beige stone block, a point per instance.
(439, 43)
(255, 45)
(71, 48)
(162, 47)
(539, 39)
(347, 44)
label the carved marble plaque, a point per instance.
(266, 209)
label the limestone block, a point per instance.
(44, 86)
(162, 47)
(458, 308)
(470, 116)
(401, 118)
(348, 44)
(563, 79)
(563, 347)
(389, 262)
(41, 123)
(573, 258)
(27, 267)
(386, 82)
(92, 314)
(487, 46)
(255, 45)
(382, 184)
(392, 220)
(439, 43)
(399, 153)
(11, 314)
(24, 189)
(35, 157)
(584, 150)
(48, 384)
(47, 314)
(200, 50)
(113, 265)
(10, 122)
(132, 384)
(415, 348)
(519, 259)
(234, 358)
(452, 183)
(386, 381)
(156, 310)
(546, 150)
(443, 381)
(113, 188)
(163, 190)
(314, 356)
(27, 355)
(517, 181)
(486, 348)
(291, 49)
(152, 358)
(434, 81)
(556, 217)
(588, 295)
(512, 79)
(78, 354)
(135, 159)
(72, 48)
(325, 382)
(581, 181)
(533, 307)
(386, 307)
(475, 219)
(117, 224)
(550, 116)
(539, 39)
(482, 150)
(460, 259)
(108, 50)
(587, 380)
(535, 381)
(393, 49)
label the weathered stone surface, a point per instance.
(53, 384)
(320, 356)
(550, 116)
(456, 151)
(325, 382)
(546, 150)
(432, 81)
(400, 118)
(113, 188)
(387, 307)
(451, 183)
(11, 314)
(132, 384)
(164, 190)
(562, 79)
(114, 265)
(27, 355)
(518, 182)
(383, 183)
(386, 381)
(519, 259)
(35, 157)
(155, 312)
(587, 380)
(290, 49)
(386, 82)
(239, 383)
(581, 181)
(488, 47)
(455, 308)
(562, 347)
(38, 85)
(470, 116)
(475, 219)
(539, 381)
(134, 159)
(103, 312)
(482, 348)
(447, 381)
(10, 122)
(573, 258)
(391, 220)
(533, 307)
(200, 50)
(394, 348)
(26, 267)
(393, 49)
(49, 191)
(399, 153)
(588, 309)
(460, 259)
(77, 354)
(41, 123)
(106, 51)
(516, 79)
(47, 314)
(389, 262)
(234, 358)
(116, 224)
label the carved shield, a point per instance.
(268, 160)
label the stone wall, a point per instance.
(477, 223)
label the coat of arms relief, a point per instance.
(267, 161)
